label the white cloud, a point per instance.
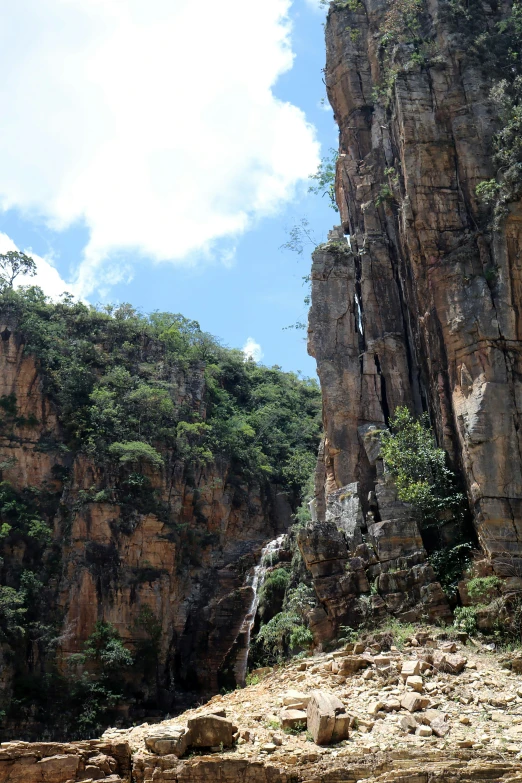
(252, 350)
(154, 123)
(47, 276)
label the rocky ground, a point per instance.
(433, 699)
(427, 709)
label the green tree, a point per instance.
(419, 469)
(324, 178)
(136, 452)
(13, 264)
(422, 477)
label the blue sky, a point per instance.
(178, 195)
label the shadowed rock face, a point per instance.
(187, 568)
(422, 306)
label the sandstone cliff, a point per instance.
(159, 554)
(416, 298)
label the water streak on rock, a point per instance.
(255, 580)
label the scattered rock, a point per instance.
(446, 662)
(410, 669)
(413, 703)
(210, 730)
(424, 731)
(440, 727)
(449, 647)
(416, 683)
(293, 719)
(375, 707)
(352, 663)
(408, 724)
(295, 699)
(327, 718)
(171, 740)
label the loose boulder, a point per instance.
(174, 740)
(408, 724)
(410, 669)
(210, 731)
(413, 702)
(328, 720)
(296, 700)
(293, 719)
(350, 664)
(446, 662)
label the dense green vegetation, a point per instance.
(419, 469)
(82, 699)
(110, 371)
(422, 477)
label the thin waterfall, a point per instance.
(254, 580)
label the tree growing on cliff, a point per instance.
(324, 178)
(422, 477)
(136, 452)
(419, 469)
(13, 264)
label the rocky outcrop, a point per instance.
(415, 301)
(49, 762)
(177, 576)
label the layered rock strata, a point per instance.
(415, 301)
(360, 581)
(186, 571)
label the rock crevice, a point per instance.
(432, 292)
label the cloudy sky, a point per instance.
(156, 152)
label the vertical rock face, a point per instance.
(421, 307)
(185, 571)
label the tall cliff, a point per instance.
(416, 297)
(143, 468)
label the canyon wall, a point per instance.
(415, 298)
(175, 578)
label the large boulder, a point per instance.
(171, 740)
(209, 731)
(352, 663)
(413, 702)
(328, 720)
(344, 510)
(446, 662)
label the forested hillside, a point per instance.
(144, 465)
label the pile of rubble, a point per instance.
(433, 710)
(434, 698)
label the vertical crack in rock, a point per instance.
(431, 328)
